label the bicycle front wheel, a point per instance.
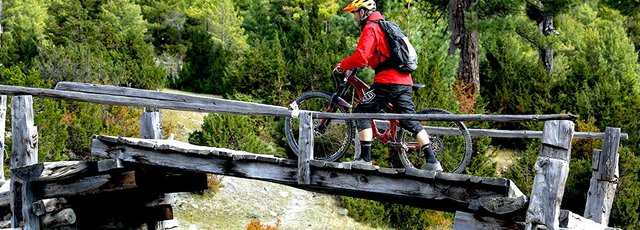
(329, 143)
(450, 140)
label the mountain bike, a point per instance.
(450, 140)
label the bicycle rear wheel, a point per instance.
(329, 145)
(450, 141)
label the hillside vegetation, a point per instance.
(582, 60)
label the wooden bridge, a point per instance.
(139, 175)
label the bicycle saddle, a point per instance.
(417, 87)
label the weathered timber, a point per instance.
(3, 117)
(63, 217)
(43, 206)
(157, 95)
(109, 164)
(91, 185)
(305, 149)
(444, 191)
(504, 205)
(252, 109)
(5, 194)
(150, 124)
(24, 151)
(604, 179)
(142, 102)
(465, 221)
(571, 220)
(500, 133)
(552, 170)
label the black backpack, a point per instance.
(402, 55)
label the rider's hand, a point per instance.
(338, 69)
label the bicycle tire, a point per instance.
(332, 144)
(453, 151)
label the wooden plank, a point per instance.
(3, 118)
(305, 148)
(533, 134)
(56, 219)
(609, 160)
(92, 185)
(571, 220)
(5, 194)
(504, 205)
(24, 151)
(248, 109)
(263, 110)
(157, 95)
(604, 180)
(150, 124)
(43, 206)
(465, 221)
(552, 170)
(432, 193)
(54, 171)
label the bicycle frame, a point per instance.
(360, 88)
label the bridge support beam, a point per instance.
(552, 170)
(24, 152)
(305, 148)
(604, 181)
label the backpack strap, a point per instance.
(386, 64)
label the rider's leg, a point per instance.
(404, 104)
(370, 104)
(425, 146)
(366, 138)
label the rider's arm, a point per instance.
(364, 51)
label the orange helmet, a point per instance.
(356, 5)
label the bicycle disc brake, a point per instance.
(437, 145)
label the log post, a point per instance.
(3, 117)
(61, 218)
(24, 151)
(604, 180)
(151, 128)
(305, 148)
(150, 124)
(552, 170)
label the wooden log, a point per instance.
(305, 152)
(604, 179)
(157, 95)
(571, 220)
(438, 193)
(92, 185)
(501, 133)
(63, 217)
(3, 117)
(109, 164)
(504, 205)
(150, 124)
(465, 221)
(24, 151)
(5, 194)
(248, 108)
(43, 206)
(552, 170)
(252, 109)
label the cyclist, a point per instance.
(389, 85)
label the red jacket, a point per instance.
(373, 39)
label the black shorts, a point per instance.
(379, 96)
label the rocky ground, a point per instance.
(238, 201)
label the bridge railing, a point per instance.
(552, 165)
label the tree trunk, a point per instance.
(1, 29)
(545, 26)
(466, 40)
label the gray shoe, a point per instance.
(361, 161)
(432, 166)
